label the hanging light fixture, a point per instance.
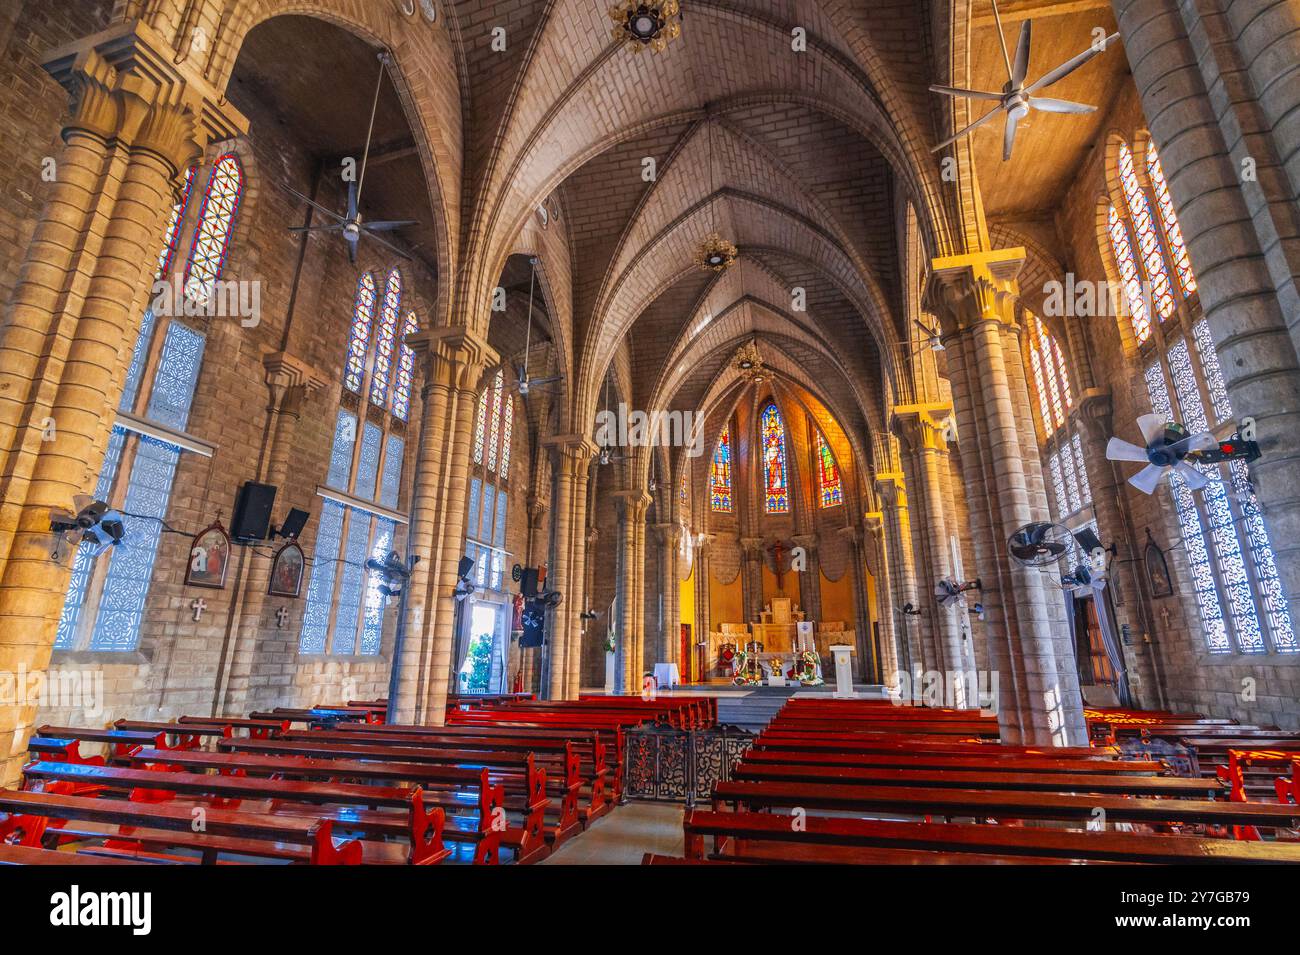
(749, 362)
(641, 25)
(715, 254)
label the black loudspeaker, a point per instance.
(466, 565)
(528, 583)
(293, 523)
(534, 618)
(252, 519)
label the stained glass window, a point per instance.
(507, 431)
(1189, 519)
(1129, 275)
(363, 314)
(480, 430)
(1169, 219)
(1051, 379)
(172, 237)
(216, 223)
(1209, 356)
(720, 475)
(1148, 241)
(774, 467)
(828, 473)
(494, 423)
(405, 370)
(1071, 479)
(386, 339)
(1084, 489)
(1058, 485)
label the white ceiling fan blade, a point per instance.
(1069, 66)
(1201, 441)
(966, 94)
(1147, 479)
(1120, 450)
(1021, 65)
(1009, 136)
(1045, 104)
(1193, 478)
(1152, 427)
(969, 129)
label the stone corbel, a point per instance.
(965, 289)
(454, 356)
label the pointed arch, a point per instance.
(720, 473)
(776, 483)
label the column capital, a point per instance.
(670, 533)
(284, 370)
(576, 446)
(752, 547)
(633, 503)
(1093, 410)
(963, 290)
(701, 542)
(872, 520)
(808, 542)
(924, 427)
(455, 356)
(124, 83)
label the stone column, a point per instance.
(454, 360)
(810, 589)
(869, 662)
(1217, 215)
(631, 642)
(751, 580)
(530, 657)
(974, 295)
(289, 381)
(136, 123)
(702, 622)
(556, 672)
(670, 539)
(577, 452)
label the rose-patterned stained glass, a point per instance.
(775, 475)
(172, 237)
(1169, 219)
(480, 431)
(126, 585)
(1058, 485)
(352, 586)
(405, 370)
(390, 484)
(1276, 608)
(1071, 479)
(828, 475)
(1148, 241)
(83, 561)
(1209, 356)
(720, 473)
(1189, 519)
(386, 340)
(1085, 490)
(320, 587)
(507, 431)
(363, 315)
(494, 421)
(372, 626)
(1232, 566)
(1129, 275)
(216, 223)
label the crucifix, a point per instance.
(777, 550)
(198, 606)
(281, 618)
(1164, 616)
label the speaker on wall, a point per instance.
(252, 518)
(293, 524)
(528, 583)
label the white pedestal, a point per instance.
(843, 671)
(610, 681)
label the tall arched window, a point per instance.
(488, 487)
(775, 475)
(104, 605)
(831, 490)
(359, 516)
(1234, 573)
(720, 473)
(1062, 449)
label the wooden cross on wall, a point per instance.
(281, 618)
(198, 606)
(776, 550)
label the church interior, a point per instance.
(669, 432)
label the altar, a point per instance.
(780, 647)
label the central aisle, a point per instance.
(623, 836)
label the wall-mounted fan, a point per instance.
(524, 382)
(1039, 544)
(1167, 445)
(1084, 579)
(93, 523)
(352, 225)
(950, 593)
(1016, 99)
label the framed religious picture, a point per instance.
(209, 557)
(1162, 584)
(286, 571)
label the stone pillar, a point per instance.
(810, 589)
(576, 453)
(642, 502)
(869, 665)
(751, 579)
(975, 296)
(289, 381)
(702, 621)
(454, 360)
(137, 121)
(530, 657)
(1247, 317)
(670, 539)
(556, 671)
(898, 534)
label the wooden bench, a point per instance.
(258, 729)
(996, 762)
(258, 833)
(185, 736)
(122, 742)
(422, 827)
(32, 855)
(745, 827)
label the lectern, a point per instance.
(843, 671)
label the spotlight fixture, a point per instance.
(641, 25)
(749, 362)
(715, 253)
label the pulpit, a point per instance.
(843, 671)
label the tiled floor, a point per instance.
(623, 836)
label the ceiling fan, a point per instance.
(523, 382)
(1167, 445)
(352, 225)
(93, 523)
(949, 592)
(1017, 99)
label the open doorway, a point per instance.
(483, 644)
